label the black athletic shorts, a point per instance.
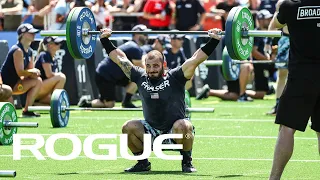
(300, 100)
(234, 86)
(107, 89)
(262, 72)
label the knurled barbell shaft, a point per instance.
(7, 173)
(47, 108)
(219, 62)
(251, 33)
(21, 124)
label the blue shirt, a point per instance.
(8, 71)
(174, 60)
(111, 71)
(45, 57)
(146, 48)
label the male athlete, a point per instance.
(162, 98)
(300, 99)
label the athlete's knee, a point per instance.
(182, 126)
(285, 130)
(131, 127)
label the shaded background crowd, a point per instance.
(124, 14)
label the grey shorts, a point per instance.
(156, 132)
(282, 57)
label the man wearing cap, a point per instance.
(108, 74)
(47, 65)
(175, 55)
(262, 72)
(158, 44)
(18, 70)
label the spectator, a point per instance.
(18, 70)
(269, 5)
(8, 10)
(109, 74)
(158, 44)
(138, 7)
(51, 79)
(174, 54)
(159, 13)
(100, 13)
(43, 7)
(236, 89)
(225, 6)
(262, 72)
(62, 10)
(187, 15)
(124, 23)
(212, 20)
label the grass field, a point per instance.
(234, 142)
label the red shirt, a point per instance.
(157, 7)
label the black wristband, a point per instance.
(210, 46)
(107, 45)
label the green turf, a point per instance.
(234, 142)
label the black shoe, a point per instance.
(271, 90)
(30, 114)
(128, 105)
(139, 167)
(245, 98)
(204, 92)
(273, 111)
(188, 167)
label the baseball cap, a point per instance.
(140, 27)
(177, 36)
(264, 14)
(163, 39)
(54, 39)
(26, 27)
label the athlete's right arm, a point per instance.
(19, 65)
(274, 23)
(116, 54)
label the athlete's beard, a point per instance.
(155, 79)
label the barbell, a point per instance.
(60, 108)
(9, 123)
(81, 34)
(230, 67)
(7, 173)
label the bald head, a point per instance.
(155, 55)
(154, 64)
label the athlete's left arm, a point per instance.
(201, 54)
(278, 15)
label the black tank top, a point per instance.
(8, 71)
